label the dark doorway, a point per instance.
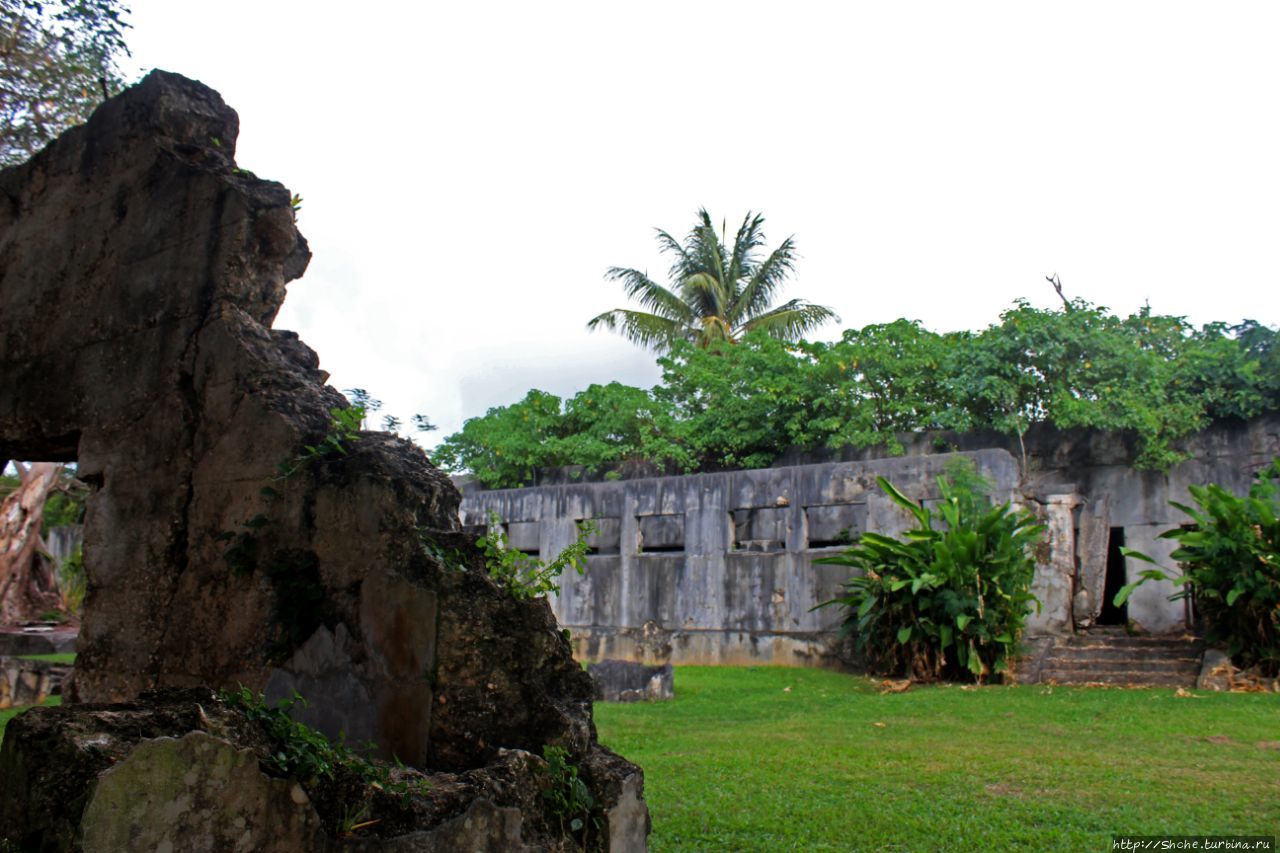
(1112, 615)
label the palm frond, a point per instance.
(652, 296)
(705, 250)
(791, 320)
(765, 282)
(648, 330)
(750, 237)
(704, 294)
(681, 265)
(715, 294)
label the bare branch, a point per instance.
(1057, 285)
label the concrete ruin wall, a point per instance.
(719, 568)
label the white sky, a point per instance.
(469, 170)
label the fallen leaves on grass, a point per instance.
(891, 686)
(1184, 693)
(1002, 789)
(878, 725)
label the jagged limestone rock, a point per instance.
(140, 271)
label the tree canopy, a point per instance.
(58, 61)
(719, 291)
(721, 406)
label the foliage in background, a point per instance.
(950, 598)
(58, 61)
(740, 406)
(73, 583)
(719, 290)
(525, 576)
(1230, 559)
(603, 426)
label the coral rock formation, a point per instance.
(226, 541)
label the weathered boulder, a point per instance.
(184, 770)
(238, 532)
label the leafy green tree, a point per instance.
(876, 381)
(1235, 370)
(605, 426)
(719, 291)
(737, 406)
(613, 425)
(506, 446)
(1081, 367)
(58, 61)
(722, 405)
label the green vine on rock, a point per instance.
(307, 755)
(344, 430)
(525, 576)
(567, 795)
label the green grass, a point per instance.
(67, 657)
(735, 762)
(9, 713)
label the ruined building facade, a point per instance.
(720, 567)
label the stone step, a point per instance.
(1119, 679)
(1178, 656)
(1113, 656)
(1186, 665)
(1137, 642)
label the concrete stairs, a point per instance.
(1110, 656)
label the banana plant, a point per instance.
(1230, 558)
(949, 598)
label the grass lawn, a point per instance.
(61, 657)
(737, 762)
(9, 713)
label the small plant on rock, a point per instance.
(523, 575)
(950, 598)
(344, 430)
(567, 795)
(304, 753)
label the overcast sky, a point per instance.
(469, 170)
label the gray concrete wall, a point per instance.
(721, 563)
(719, 568)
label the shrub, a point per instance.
(1230, 559)
(951, 598)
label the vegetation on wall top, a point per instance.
(740, 406)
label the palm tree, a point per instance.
(716, 294)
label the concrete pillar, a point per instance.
(1054, 580)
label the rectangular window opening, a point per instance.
(760, 528)
(661, 534)
(835, 525)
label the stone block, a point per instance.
(627, 681)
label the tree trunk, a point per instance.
(28, 585)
